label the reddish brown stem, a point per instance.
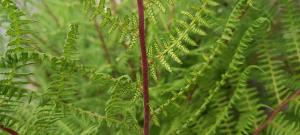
(144, 66)
(8, 130)
(274, 113)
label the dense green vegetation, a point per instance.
(216, 67)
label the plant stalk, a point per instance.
(274, 113)
(144, 66)
(114, 6)
(8, 130)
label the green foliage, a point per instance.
(72, 67)
(70, 45)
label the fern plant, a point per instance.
(159, 67)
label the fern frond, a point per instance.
(121, 104)
(291, 33)
(151, 7)
(7, 107)
(294, 107)
(274, 73)
(93, 9)
(194, 25)
(281, 126)
(248, 107)
(70, 44)
(203, 90)
(126, 25)
(227, 126)
(236, 62)
(17, 30)
(231, 26)
(225, 106)
(91, 116)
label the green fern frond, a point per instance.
(93, 9)
(70, 44)
(151, 7)
(291, 33)
(236, 62)
(225, 106)
(90, 116)
(294, 107)
(274, 73)
(227, 126)
(230, 27)
(18, 29)
(195, 24)
(247, 105)
(203, 90)
(121, 104)
(281, 126)
(250, 112)
(7, 107)
(216, 50)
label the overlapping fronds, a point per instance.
(217, 69)
(236, 63)
(215, 51)
(15, 72)
(224, 117)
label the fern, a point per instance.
(17, 29)
(194, 24)
(215, 51)
(69, 47)
(236, 62)
(284, 127)
(56, 78)
(274, 74)
(151, 7)
(292, 34)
